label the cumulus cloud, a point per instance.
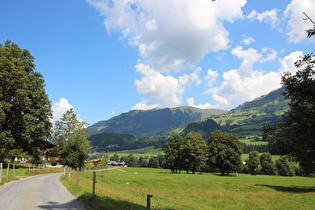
(220, 100)
(266, 16)
(296, 23)
(192, 78)
(171, 35)
(246, 83)
(158, 89)
(191, 102)
(59, 108)
(247, 40)
(211, 77)
(287, 63)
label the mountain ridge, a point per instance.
(140, 122)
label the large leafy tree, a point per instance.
(295, 133)
(173, 156)
(71, 140)
(224, 152)
(25, 109)
(192, 152)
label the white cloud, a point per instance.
(211, 77)
(171, 34)
(159, 90)
(296, 24)
(246, 83)
(247, 40)
(192, 78)
(220, 100)
(270, 56)
(59, 108)
(266, 16)
(191, 102)
(287, 63)
(111, 114)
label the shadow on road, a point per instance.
(74, 204)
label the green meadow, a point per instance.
(146, 151)
(127, 188)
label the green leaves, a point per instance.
(71, 139)
(295, 133)
(24, 105)
(224, 152)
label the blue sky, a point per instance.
(105, 57)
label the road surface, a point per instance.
(37, 192)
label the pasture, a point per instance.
(127, 188)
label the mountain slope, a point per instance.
(249, 118)
(140, 122)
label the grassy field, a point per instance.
(127, 188)
(146, 151)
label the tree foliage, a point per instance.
(283, 167)
(185, 153)
(25, 109)
(71, 139)
(267, 165)
(172, 153)
(254, 163)
(193, 151)
(295, 133)
(224, 152)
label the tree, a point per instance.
(25, 109)
(295, 133)
(131, 161)
(224, 152)
(283, 167)
(71, 139)
(254, 163)
(115, 157)
(192, 151)
(267, 165)
(172, 153)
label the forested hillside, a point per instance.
(139, 122)
(153, 127)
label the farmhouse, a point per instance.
(50, 158)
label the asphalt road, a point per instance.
(37, 192)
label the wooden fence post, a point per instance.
(149, 201)
(94, 181)
(0, 172)
(8, 172)
(77, 180)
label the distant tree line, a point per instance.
(263, 164)
(270, 148)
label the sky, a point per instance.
(106, 57)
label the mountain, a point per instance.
(139, 122)
(274, 98)
(248, 119)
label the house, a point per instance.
(50, 158)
